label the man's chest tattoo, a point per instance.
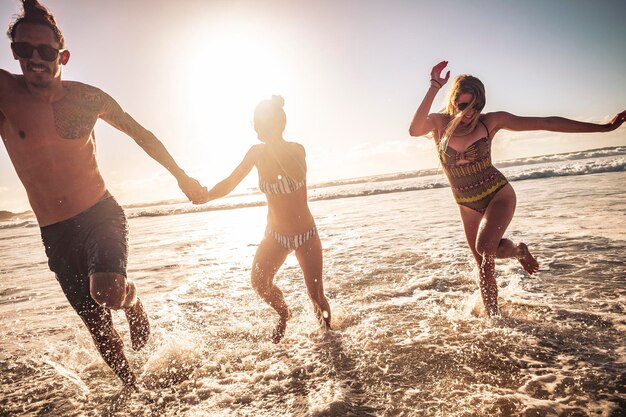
(76, 114)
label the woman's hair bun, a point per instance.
(278, 101)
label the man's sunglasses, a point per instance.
(25, 50)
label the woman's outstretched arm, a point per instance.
(228, 184)
(508, 121)
(422, 123)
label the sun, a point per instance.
(228, 74)
(226, 70)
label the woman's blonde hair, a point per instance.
(462, 84)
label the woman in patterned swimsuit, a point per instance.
(290, 226)
(486, 200)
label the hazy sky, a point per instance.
(352, 73)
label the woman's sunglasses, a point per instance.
(25, 50)
(462, 106)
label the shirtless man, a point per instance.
(47, 128)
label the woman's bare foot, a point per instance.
(323, 318)
(528, 261)
(139, 325)
(279, 331)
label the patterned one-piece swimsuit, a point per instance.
(474, 183)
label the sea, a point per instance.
(410, 335)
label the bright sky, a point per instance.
(352, 73)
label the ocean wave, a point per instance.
(593, 161)
(589, 167)
(437, 181)
(184, 209)
(379, 178)
(564, 157)
(18, 223)
(534, 160)
(379, 191)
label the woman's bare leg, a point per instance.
(482, 231)
(508, 249)
(270, 255)
(310, 258)
(488, 287)
(495, 220)
(471, 223)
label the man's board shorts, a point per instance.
(95, 240)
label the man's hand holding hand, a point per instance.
(194, 191)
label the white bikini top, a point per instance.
(284, 185)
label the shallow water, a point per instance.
(412, 338)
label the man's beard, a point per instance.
(39, 79)
(40, 83)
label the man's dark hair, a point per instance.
(35, 13)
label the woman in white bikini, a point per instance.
(290, 226)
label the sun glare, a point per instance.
(228, 68)
(229, 73)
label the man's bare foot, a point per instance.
(528, 261)
(139, 325)
(121, 399)
(279, 331)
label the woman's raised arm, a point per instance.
(422, 122)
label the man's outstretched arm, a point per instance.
(114, 115)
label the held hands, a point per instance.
(435, 75)
(194, 191)
(205, 197)
(617, 121)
